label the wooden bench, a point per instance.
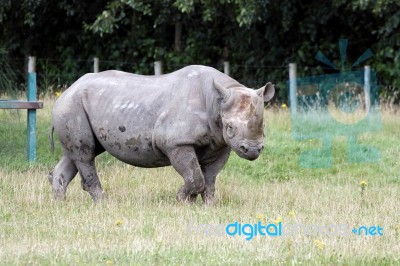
(31, 105)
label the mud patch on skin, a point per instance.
(244, 102)
(85, 149)
(118, 145)
(102, 134)
(61, 180)
(251, 112)
(133, 141)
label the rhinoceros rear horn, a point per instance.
(267, 92)
(225, 93)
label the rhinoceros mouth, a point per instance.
(248, 153)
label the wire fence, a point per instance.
(55, 75)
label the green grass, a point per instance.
(142, 224)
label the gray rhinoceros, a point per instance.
(190, 119)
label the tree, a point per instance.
(258, 37)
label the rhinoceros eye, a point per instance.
(230, 131)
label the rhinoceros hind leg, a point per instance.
(61, 176)
(185, 162)
(90, 181)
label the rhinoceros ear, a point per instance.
(267, 92)
(225, 93)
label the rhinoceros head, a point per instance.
(242, 113)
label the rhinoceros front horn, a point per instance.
(225, 93)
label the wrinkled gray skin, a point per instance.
(190, 119)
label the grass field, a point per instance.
(142, 224)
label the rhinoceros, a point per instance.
(190, 119)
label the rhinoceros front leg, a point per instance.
(210, 172)
(185, 162)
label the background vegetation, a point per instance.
(258, 37)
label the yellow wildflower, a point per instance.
(363, 183)
(109, 262)
(284, 106)
(291, 214)
(278, 220)
(260, 216)
(319, 244)
(58, 93)
(119, 222)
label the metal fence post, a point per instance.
(367, 88)
(226, 68)
(158, 68)
(292, 88)
(95, 65)
(31, 119)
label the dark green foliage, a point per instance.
(7, 75)
(258, 37)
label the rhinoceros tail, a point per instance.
(51, 138)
